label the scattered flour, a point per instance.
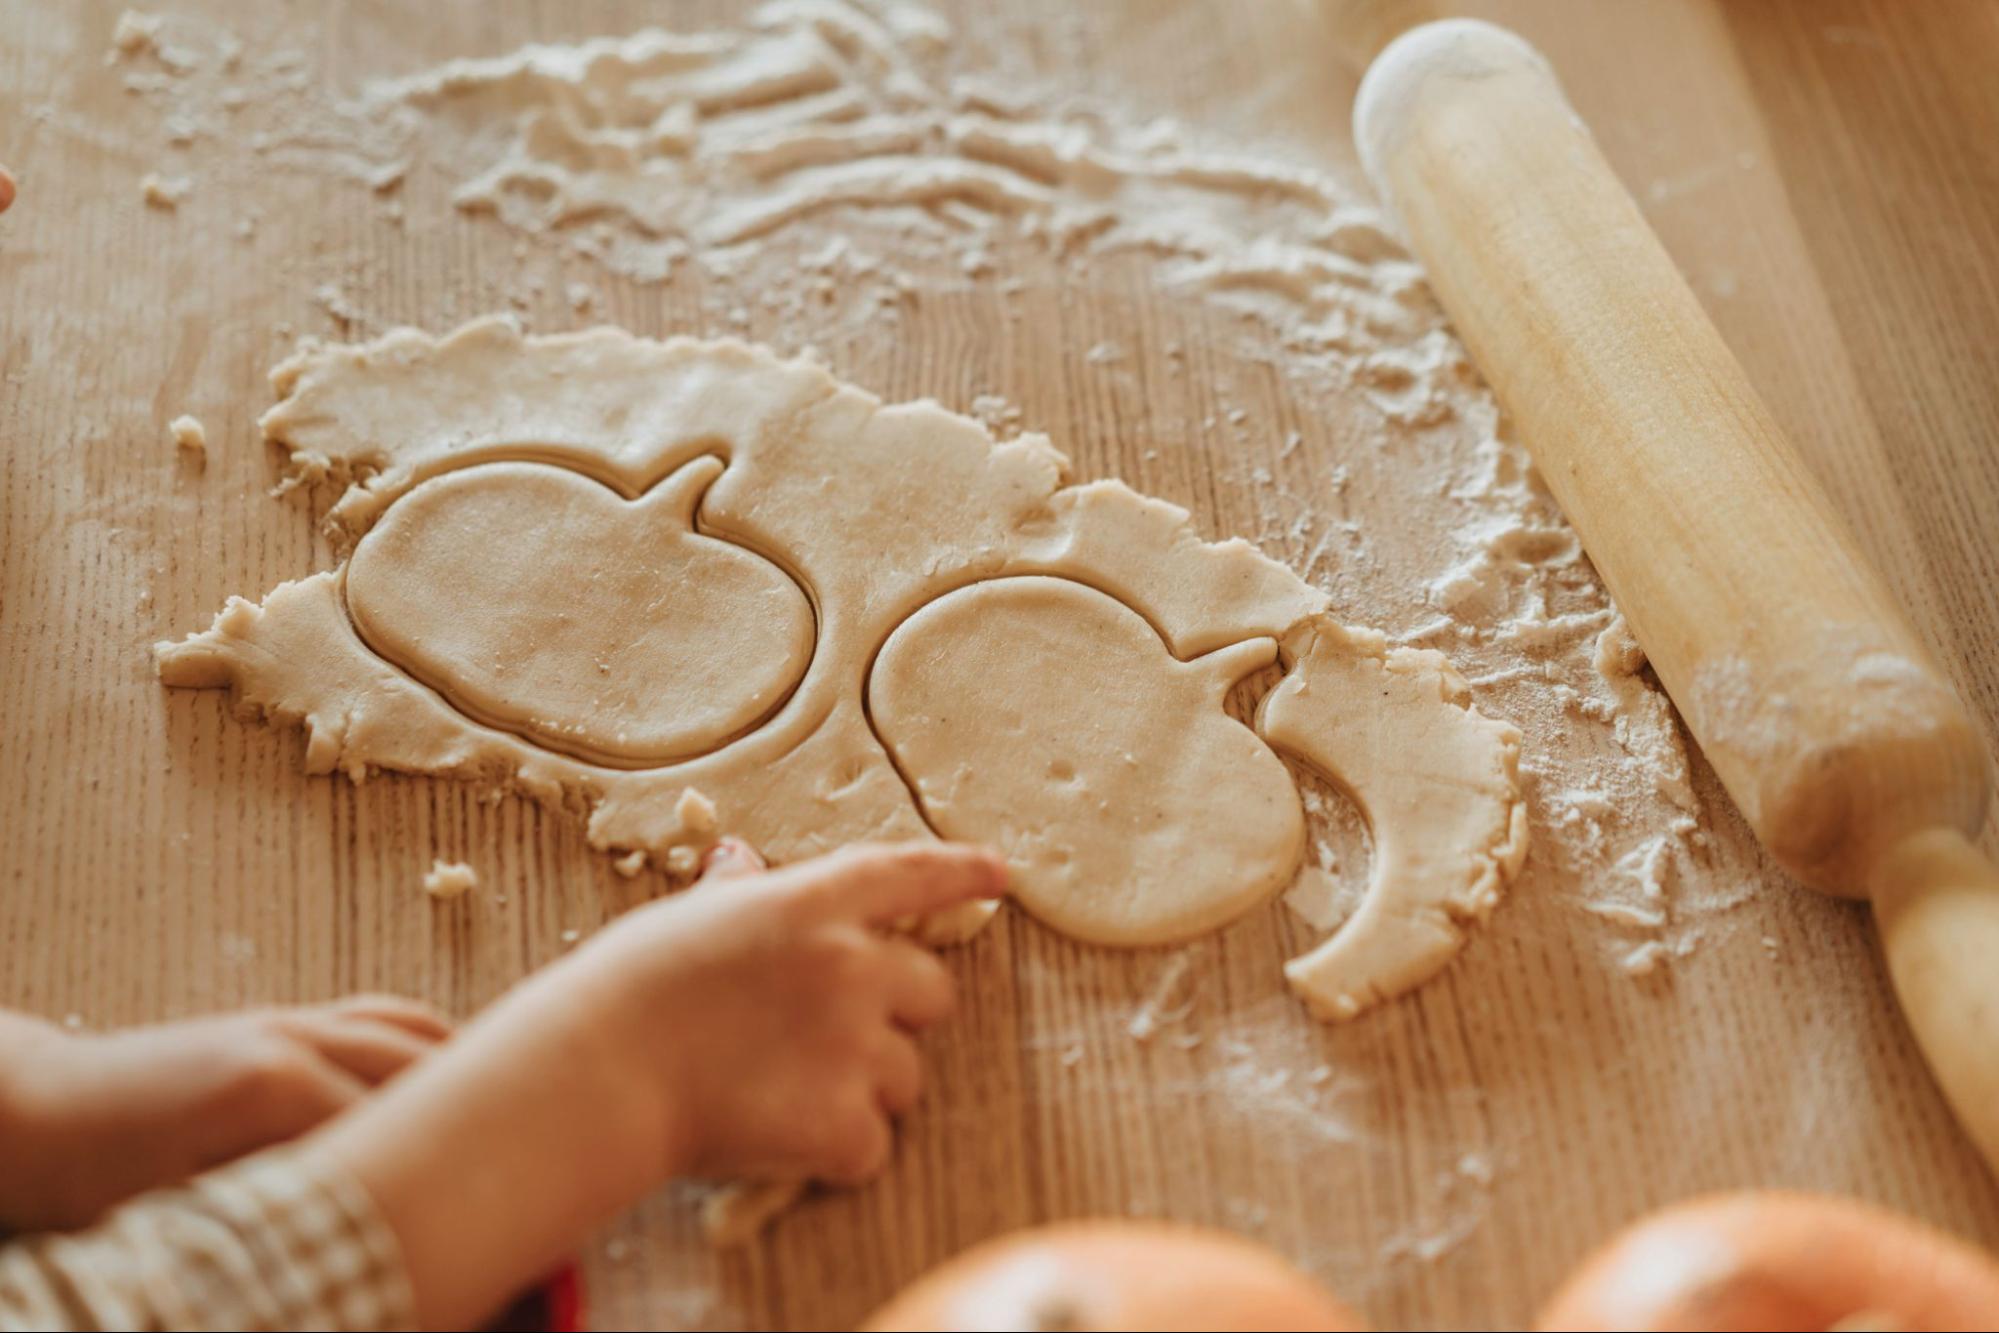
(1318, 898)
(1158, 1009)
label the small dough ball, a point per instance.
(450, 879)
(190, 435)
(163, 192)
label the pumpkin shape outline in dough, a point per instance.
(1073, 700)
(503, 586)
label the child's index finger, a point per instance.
(884, 883)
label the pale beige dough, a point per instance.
(1438, 785)
(544, 603)
(189, 435)
(450, 879)
(1043, 718)
(889, 522)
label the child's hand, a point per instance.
(778, 1010)
(89, 1119)
(758, 1026)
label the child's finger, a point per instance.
(304, 1092)
(920, 989)
(731, 858)
(898, 1073)
(859, 1142)
(371, 1052)
(879, 884)
(412, 1016)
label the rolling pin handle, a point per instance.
(1936, 899)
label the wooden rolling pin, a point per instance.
(1810, 693)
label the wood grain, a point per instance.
(1823, 171)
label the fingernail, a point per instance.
(731, 854)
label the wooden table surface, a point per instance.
(1825, 171)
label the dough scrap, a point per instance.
(1439, 786)
(450, 879)
(888, 518)
(164, 192)
(1147, 814)
(189, 435)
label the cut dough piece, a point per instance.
(1439, 786)
(1043, 718)
(543, 603)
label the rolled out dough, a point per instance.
(603, 571)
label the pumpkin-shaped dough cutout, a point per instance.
(540, 601)
(1048, 720)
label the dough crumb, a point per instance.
(631, 863)
(1644, 960)
(999, 416)
(683, 862)
(164, 192)
(337, 305)
(696, 814)
(450, 879)
(190, 436)
(134, 32)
